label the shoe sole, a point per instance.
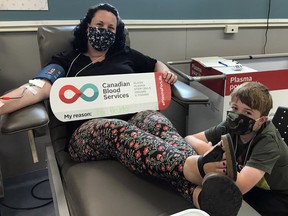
(230, 157)
(220, 196)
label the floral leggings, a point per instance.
(148, 144)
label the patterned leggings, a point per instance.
(147, 144)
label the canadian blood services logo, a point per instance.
(79, 93)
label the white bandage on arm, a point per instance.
(30, 88)
(37, 82)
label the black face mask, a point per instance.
(101, 39)
(239, 124)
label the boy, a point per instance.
(261, 154)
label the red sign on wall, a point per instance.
(274, 79)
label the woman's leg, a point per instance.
(138, 150)
(142, 152)
(92, 142)
(157, 124)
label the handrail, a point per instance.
(257, 56)
(212, 77)
(179, 72)
(237, 57)
(195, 78)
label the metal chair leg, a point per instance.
(33, 146)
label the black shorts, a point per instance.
(266, 202)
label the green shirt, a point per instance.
(266, 151)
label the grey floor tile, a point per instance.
(30, 191)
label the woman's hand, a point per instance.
(169, 77)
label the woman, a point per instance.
(145, 142)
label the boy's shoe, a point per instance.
(230, 156)
(216, 155)
(220, 196)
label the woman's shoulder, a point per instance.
(67, 54)
(64, 58)
(127, 51)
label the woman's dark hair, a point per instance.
(80, 31)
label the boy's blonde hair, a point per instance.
(255, 95)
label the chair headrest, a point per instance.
(52, 40)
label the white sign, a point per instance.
(76, 98)
(24, 5)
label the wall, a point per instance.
(160, 9)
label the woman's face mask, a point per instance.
(100, 39)
(239, 123)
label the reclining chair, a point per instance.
(100, 187)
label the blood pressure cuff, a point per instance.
(51, 73)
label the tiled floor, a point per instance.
(29, 194)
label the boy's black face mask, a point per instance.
(239, 124)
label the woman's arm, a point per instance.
(31, 95)
(168, 76)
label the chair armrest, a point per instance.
(184, 93)
(28, 118)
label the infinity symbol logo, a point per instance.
(78, 93)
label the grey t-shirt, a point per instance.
(266, 151)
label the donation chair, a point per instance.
(100, 188)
